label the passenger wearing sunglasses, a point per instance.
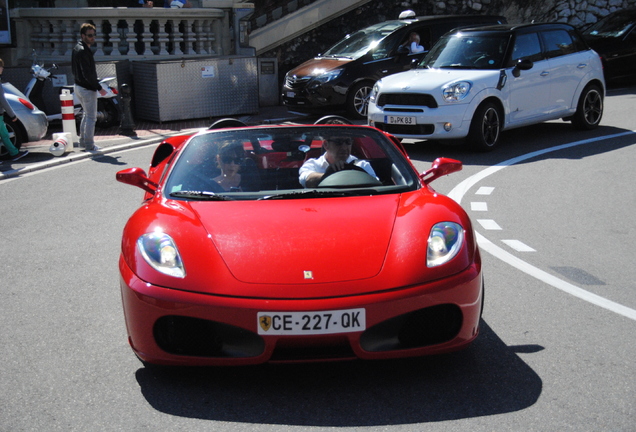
(337, 157)
(86, 85)
(231, 160)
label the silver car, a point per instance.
(31, 124)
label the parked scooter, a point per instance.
(108, 113)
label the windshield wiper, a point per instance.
(314, 193)
(200, 195)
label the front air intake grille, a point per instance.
(420, 129)
(407, 99)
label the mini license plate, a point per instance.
(311, 323)
(400, 120)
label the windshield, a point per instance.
(266, 163)
(468, 51)
(359, 43)
(611, 27)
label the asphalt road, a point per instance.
(556, 351)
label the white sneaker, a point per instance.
(95, 149)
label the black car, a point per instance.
(342, 77)
(614, 39)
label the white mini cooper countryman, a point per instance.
(477, 82)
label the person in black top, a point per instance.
(86, 85)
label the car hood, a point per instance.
(318, 66)
(301, 241)
(425, 80)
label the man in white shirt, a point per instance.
(337, 156)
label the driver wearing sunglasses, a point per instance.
(337, 157)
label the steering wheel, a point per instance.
(350, 175)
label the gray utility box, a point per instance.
(190, 89)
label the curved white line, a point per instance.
(460, 190)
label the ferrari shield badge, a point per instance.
(266, 322)
(308, 274)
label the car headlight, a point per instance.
(326, 77)
(444, 242)
(456, 91)
(374, 92)
(160, 251)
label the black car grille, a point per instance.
(420, 129)
(295, 81)
(410, 99)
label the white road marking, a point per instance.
(460, 190)
(484, 190)
(489, 224)
(518, 246)
(479, 206)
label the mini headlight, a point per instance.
(159, 250)
(456, 91)
(444, 242)
(374, 93)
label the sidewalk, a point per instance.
(147, 133)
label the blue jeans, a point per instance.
(6, 139)
(88, 100)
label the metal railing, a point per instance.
(123, 33)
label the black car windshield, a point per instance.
(266, 163)
(613, 26)
(468, 51)
(359, 43)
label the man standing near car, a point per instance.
(86, 85)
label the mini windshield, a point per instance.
(468, 51)
(611, 27)
(359, 43)
(265, 163)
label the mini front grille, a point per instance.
(410, 99)
(420, 129)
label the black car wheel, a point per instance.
(332, 119)
(590, 108)
(358, 100)
(16, 135)
(485, 127)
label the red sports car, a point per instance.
(257, 244)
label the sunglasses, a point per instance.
(90, 35)
(230, 159)
(341, 141)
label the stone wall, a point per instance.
(575, 12)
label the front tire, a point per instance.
(590, 108)
(358, 100)
(485, 127)
(16, 136)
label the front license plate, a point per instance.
(291, 94)
(400, 120)
(311, 323)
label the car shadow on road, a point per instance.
(486, 379)
(526, 140)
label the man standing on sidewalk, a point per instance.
(86, 85)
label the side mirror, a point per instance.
(441, 167)
(137, 177)
(522, 64)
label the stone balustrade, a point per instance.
(122, 33)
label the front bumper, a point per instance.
(172, 327)
(313, 99)
(430, 122)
